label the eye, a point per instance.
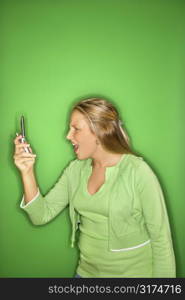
(73, 128)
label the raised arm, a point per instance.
(41, 209)
(24, 161)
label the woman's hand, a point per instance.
(24, 161)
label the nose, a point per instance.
(68, 136)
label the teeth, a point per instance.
(75, 146)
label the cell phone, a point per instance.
(23, 139)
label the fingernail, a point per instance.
(17, 134)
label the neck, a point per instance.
(106, 159)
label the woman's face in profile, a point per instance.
(80, 135)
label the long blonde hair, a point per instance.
(104, 122)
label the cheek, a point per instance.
(91, 145)
(89, 141)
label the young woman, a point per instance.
(114, 198)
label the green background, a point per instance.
(56, 52)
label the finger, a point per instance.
(26, 149)
(20, 140)
(24, 155)
(18, 157)
(20, 147)
(17, 139)
(24, 160)
(22, 150)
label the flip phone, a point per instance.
(23, 139)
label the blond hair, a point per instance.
(104, 122)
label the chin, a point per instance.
(82, 157)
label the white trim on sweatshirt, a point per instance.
(131, 248)
(23, 204)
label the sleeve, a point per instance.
(24, 205)
(156, 221)
(42, 209)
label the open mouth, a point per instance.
(76, 146)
